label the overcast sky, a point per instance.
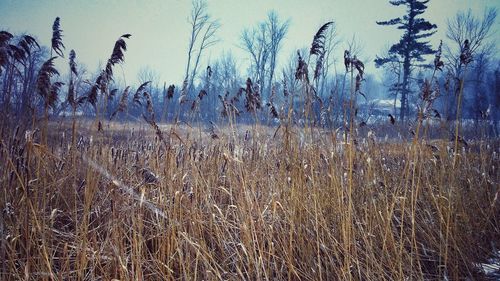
(160, 28)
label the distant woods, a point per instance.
(274, 86)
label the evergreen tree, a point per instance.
(411, 46)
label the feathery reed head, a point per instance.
(170, 91)
(54, 94)
(466, 54)
(252, 101)
(5, 37)
(26, 44)
(149, 105)
(184, 89)
(318, 48)
(301, 73)
(43, 83)
(122, 106)
(57, 44)
(72, 63)
(438, 63)
(201, 94)
(318, 44)
(117, 56)
(138, 92)
(347, 60)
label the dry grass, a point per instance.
(246, 206)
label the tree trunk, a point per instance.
(404, 93)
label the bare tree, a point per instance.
(411, 47)
(465, 26)
(202, 37)
(477, 31)
(277, 32)
(263, 43)
(254, 41)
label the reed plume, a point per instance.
(183, 96)
(122, 106)
(149, 105)
(170, 91)
(318, 48)
(71, 86)
(5, 37)
(252, 101)
(117, 56)
(438, 63)
(102, 81)
(43, 83)
(301, 72)
(57, 44)
(72, 63)
(112, 94)
(139, 91)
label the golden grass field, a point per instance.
(252, 204)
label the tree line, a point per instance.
(310, 87)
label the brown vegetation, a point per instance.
(224, 208)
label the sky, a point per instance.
(160, 29)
